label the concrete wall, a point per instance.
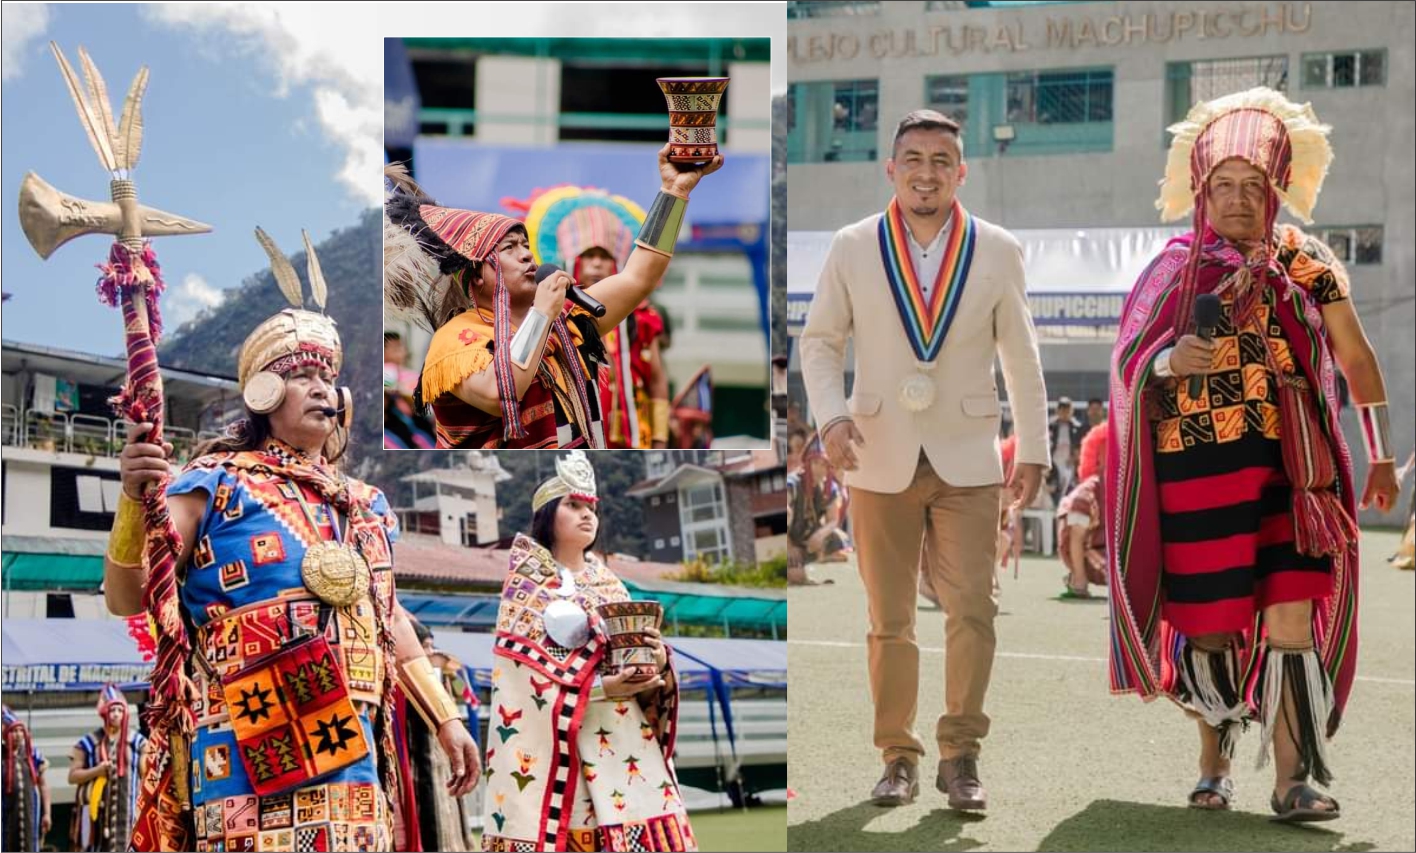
(27, 491)
(503, 84)
(742, 527)
(749, 99)
(1371, 180)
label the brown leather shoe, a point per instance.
(958, 777)
(899, 786)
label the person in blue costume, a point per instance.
(297, 640)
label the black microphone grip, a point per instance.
(1207, 313)
(1197, 379)
(573, 293)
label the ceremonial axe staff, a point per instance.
(50, 218)
(132, 280)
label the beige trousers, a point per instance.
(950, 533)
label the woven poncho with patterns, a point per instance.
(566, 771)
(465, 345)
(243, 590)
(1199, 535)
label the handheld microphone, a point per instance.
(1207, 314)
(573, 293)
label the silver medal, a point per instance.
(567, 624)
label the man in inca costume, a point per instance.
(103, 768)
(26, 800)
(1230, 494)
(512, 364)
(591, 233)
(264, 571)
(578, 757)
(297, 642)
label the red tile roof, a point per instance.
(423, 557)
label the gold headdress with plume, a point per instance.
(575, 477)
(291, 338)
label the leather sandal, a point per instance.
(1297, 806)
(1219, 786)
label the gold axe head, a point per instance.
(51, 218)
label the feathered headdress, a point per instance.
(291, 338)
(565, 221)
(1282, 139)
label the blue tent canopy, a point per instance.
(70, 654)
(743, 663)
(687, 604)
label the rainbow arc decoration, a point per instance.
(926, 322)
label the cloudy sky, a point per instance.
(255, 114)
(598, 20)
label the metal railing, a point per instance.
(9, 424)
(45, 431)
(458, 121)
(89, 435)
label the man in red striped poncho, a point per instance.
(1230, 492)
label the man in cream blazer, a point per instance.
(930, 295)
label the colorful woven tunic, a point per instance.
(104, 807)
(24, 767)
(567, 770)
(629, 377)
(244, 594)
(1083, 507)
(1200, 531)
(551, 412)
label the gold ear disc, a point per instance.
(264, 392)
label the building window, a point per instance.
(702, 503)
(1190, 83)
(949, 95)
(654, 501)
(658, 544)
(58, 605)
(658, 464)
(1358, 245)
(703, 520)
(1059, 97)
(834, 121)
(1344, 70)
(674, 541)
(831, 8)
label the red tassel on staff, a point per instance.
(133, 280)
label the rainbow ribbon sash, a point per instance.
(926, 324)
